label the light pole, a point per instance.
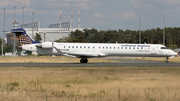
(164, 30)
(71, 19)
(33, 24)
(44, 35)
(139, 30)
(15, 27)
(59, 24)
(3, 35)
(15, 15)
(23, 17)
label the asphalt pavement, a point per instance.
(87, 64)
(120, 62)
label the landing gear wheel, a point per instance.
(167, 60)
(83, 60)
(86, 60)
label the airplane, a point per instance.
(92, 50)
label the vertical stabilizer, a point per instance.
(23, 38)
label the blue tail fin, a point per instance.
(23, 38)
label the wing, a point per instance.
(80, 55)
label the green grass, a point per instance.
(90, 83)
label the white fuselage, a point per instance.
(100, 49)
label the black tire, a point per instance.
(82, 61)
(86, 61)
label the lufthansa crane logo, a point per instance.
(24, 40)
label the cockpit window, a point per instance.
(164, 48)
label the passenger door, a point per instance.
(153, 50)
(93, 49)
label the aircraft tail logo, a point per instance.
(23, 38)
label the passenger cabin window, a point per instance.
(114, 47)
(72, 46)
(121, 47)
(99, 47)
(141, 47)
(125, 47)
(103, 47)
(118, 47)
(164, 48)
(129, 47)
(80, 46)
(69, 46)
(133, 47)
(106, 47)
(64, 46)
(110, 47)
(76, 46)
(93, 47)
(88, 47)
(84, 46)
(137, 47)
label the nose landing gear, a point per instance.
(84, 60)
(167, 59)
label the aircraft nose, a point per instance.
(174, 53)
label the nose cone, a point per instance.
(174, 53)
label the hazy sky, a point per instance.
(101, 14)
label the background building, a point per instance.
(47, 34)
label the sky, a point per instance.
(100, 14)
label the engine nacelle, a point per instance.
(45, 45)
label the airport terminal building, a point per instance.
(47, 34)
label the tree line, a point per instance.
(152, 36)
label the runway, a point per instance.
(120, 62)
(135, 64)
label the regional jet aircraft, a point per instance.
(90, 50)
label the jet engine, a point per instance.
(45, 45)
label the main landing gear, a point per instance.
(167, 59)
(84, 60)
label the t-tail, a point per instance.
(22, 36)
